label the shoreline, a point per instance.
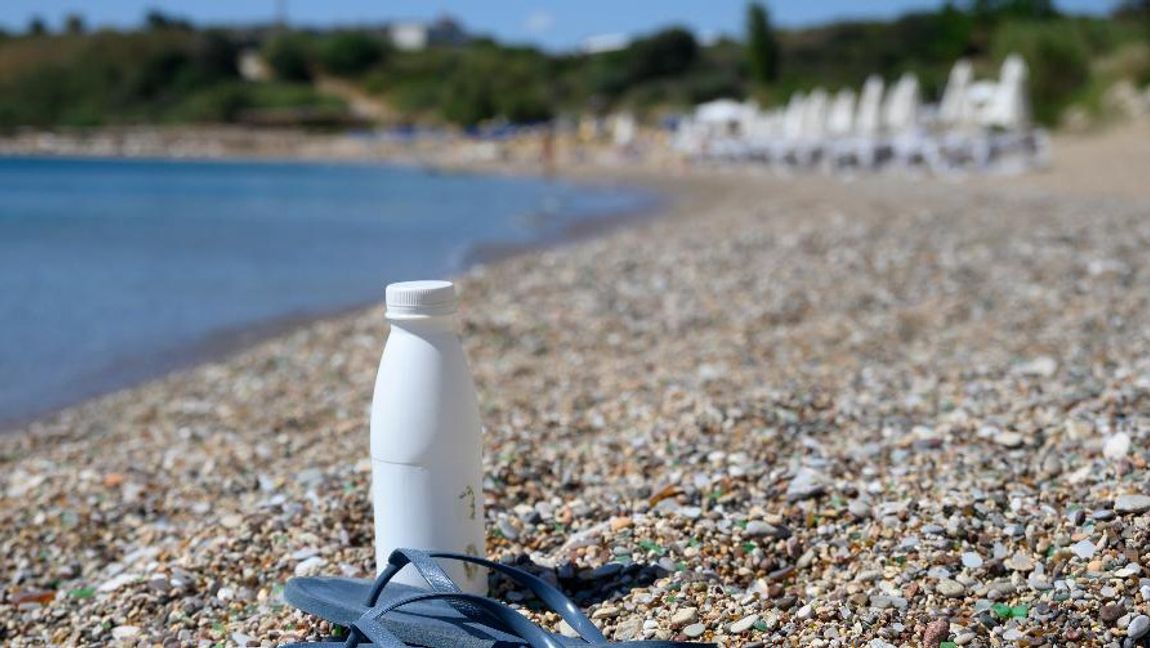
(217, 346)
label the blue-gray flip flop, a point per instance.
(344, 601)
(373, 627)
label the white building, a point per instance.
(413, 36)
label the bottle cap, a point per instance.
(427, 298)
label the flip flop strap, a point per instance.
(371, 623)
(424, 562)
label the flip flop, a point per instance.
(346, 601)
(373, 627)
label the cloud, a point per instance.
(539, 21)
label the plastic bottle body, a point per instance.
(426, 449)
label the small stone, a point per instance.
(1019, 562)
(1110, 613)
(1139, 627)
(566, 630)
(117, 582)
(1076, 516)
(620, 523)
(1009, 439)
(1132, 569)
(806, 484)
(758, 528)
(691, 512)
(695, 630)
(743, 624)
(971, 560)
(629, 630)
(1013, 634)
(1134, 504)
(1040, 367)
(684, 616)
(507, 530)
(805, 612)
(935, 632)
(859, 509)
(1084, 549)
(1116, 447)
(125, 632)
(950, 588)
(310, 567)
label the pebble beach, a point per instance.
(788, 412)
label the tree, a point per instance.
(157, 20)
(762, 47)
(287, 56)
(667, 53)
(74, 24)
(37, 26)
(350, 54)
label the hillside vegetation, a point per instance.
(171, 72)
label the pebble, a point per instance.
(695, 630)
(1116, 447)
(1010, 439)
(1019, 562)
(1135, 504)
(1110, 613)
(1084, 549)
(743, 624)
(507, 529)
(629, 630)
(1139, 627)
(125, 632)
(971, 560)
(804, 485)
(951, 588)
(684, 616)
(310, 567)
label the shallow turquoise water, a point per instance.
(112, 270)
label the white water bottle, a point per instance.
(427, 471)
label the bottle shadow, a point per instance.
(586, 587)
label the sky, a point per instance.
(554, 24)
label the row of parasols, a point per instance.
(979, 124)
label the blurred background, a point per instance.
(464, 64)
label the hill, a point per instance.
(172, 72)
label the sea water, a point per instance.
(112, 271)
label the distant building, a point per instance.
(416, 36)
(605, 43)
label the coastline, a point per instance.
(780, 400)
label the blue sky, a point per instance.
(554, 24)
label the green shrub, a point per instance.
(350, 54)
(289, 57)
